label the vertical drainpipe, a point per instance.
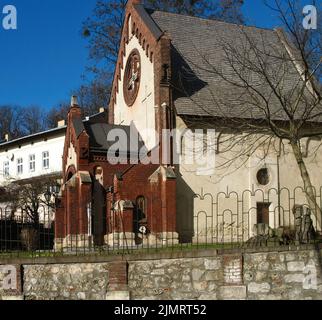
(279, 183)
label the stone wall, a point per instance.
(292, 274)
(86, 281)
(286, 275)
(267, 276)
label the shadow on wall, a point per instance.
(185, 210)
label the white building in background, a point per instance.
(32, 156)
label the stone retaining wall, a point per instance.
(284, 275)
(70, 281)
(266, 275)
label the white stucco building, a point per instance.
(31, 157)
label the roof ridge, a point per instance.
(151, 11)
(34, 135)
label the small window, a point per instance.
(45, 160)
(263, 212)
(263, 177)
(20, 166)
(6, 169)
(32, 163)
(205, 145)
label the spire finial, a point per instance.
(74, 101)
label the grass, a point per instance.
(139, 250)
(116, 251)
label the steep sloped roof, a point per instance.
(200, 51)
(98, 132)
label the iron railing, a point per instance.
(230, 219)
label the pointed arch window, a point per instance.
(141, 204)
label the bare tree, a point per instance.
(93, 96)
(10, 121)
(33, 120)
(57, 113)
(29, 197)
(103, 29)
(266, 92)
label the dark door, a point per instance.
(139, 218)
(263, 212)
(98, 214)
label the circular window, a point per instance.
(132, 77)
(263, 177)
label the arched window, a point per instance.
(141, 204)
(98, 173)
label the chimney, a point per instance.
(7, 137)
(74, 101)
(60, 123)
(101, 110)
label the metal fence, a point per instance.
(23, 232)
(231, 219)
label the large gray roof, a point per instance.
(200, 47)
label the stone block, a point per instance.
(12, 298)
(212, 264)
(278, 267)
(200, 286)
(233, 292)
(158, 272)
(263, 266)
(209, 297)
(212, 276)
(197, 274)
(254, 287)
(118, 295)
(297, 278)
(295, 266)
(290, 257)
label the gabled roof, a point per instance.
(99, 130)
(198, 45)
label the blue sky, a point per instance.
(42, 61)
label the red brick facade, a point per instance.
(127, 190)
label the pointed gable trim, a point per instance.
(147, 32)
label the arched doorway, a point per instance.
(98, 208)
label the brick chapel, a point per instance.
(121, 204)
(163, 79)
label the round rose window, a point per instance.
(132, 77)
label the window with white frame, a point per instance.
(6, 169)
(20, 166)
(32, 163)
(45, 160)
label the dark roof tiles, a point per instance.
(202, 49)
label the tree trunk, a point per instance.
(308, 187)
